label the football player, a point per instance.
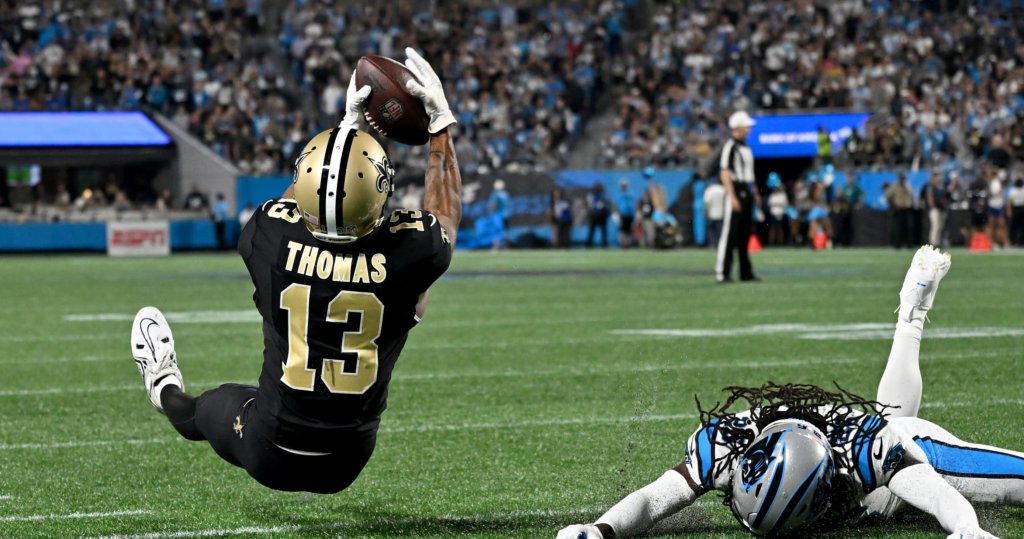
(804, 457)
(339, 284)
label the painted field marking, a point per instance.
(828, 332)
(6, 497)
(185, 317)
(481, 518)
(395, 427)
(726, 363)
(85, 443)
(108, 514)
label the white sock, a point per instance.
(901, 382)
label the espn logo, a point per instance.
(146, 238)
(130, 238)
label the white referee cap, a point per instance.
(740, 119)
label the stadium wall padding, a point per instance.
(191, 234)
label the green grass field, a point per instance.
(519, 405)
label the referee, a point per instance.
(736, 170)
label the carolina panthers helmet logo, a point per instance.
(385, 173)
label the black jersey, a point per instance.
(335, 318)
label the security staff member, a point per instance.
(736, 170)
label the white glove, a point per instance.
(971, 532)
(427, 87)
(354, 99)
(580, 531)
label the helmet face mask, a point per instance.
(783, 480)
(342, 181)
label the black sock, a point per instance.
(180, 409)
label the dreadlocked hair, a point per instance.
(837, 414)
(772, 402)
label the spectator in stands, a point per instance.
(851, 200)
(219, 215)
(561, 217)
(196, 201)
(797, 213)
(819, 223)
(1015, 211)
(499, 202)
(956, 192)
(900, 198)
(598, 211)
(824, 146)
(777, 204)
(164, 202)
(651, 201)
(937, 204)
(997, 209)
(977, 203)
(714, 209)
(245, 215)
(625, 212)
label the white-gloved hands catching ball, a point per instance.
(428, 88)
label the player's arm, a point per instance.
(443, 182)
(639, 511)
(674, 490)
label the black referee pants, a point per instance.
(736, 229)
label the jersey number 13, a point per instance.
(362, 342)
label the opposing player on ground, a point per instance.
(339, 284)
(804, 457)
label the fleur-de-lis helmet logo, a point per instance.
(385, 174)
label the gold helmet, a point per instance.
(342, 181)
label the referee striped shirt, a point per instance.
(739, 160)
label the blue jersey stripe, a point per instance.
(962, 461)
(862, 451)
(706, 454)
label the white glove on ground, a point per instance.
(972, 532)
(354, 100)
(427, 87)
(580, 531)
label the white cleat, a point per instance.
(153, 350)
(922, 281)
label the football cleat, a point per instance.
(922, 281)
(153, 350)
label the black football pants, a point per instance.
(225, 417)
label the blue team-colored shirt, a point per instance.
(626, 204)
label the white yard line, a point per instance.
(483, 518)
(400, 377)
(85, 443)
(396, 427)
(108, 514)
(5, 497)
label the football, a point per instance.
(391, 109)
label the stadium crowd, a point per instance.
(941, 85)
(252, 85)
(253, 79)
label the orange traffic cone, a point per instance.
(754, 245)
(979, 242)
(820, 241)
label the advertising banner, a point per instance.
(796, 135)
(139, 238)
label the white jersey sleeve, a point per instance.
(712, 450)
